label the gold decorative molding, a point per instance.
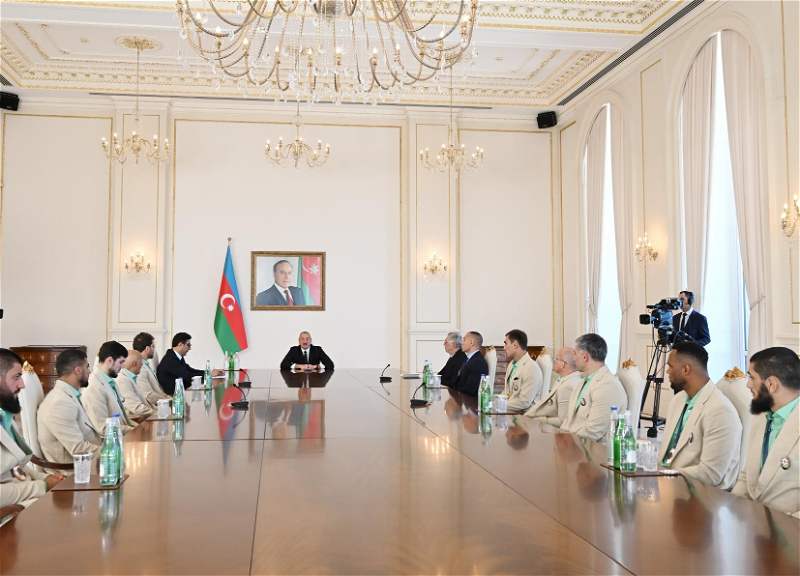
(734, 374)
(629, 363)
(142, 43)
(28, 368)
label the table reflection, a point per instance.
(300, 419)
(306, 379)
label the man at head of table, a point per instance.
(305, 356)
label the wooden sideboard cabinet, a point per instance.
(43, 360)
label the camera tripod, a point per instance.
(655, 376)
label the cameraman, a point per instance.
(690, 325)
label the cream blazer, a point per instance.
(135, 401)
(592, 416)
(526, 386)
(100, 403)
(554, 408)
(709, 447)
(12, 490)
(148, 384)
(64, 426)
(777, 485)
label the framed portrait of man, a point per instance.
(287, 281)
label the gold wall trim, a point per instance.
(561, 222)
(644, 171)
(121, 216)
(399, 129)
(416, 234)
(110, 192)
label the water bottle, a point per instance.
(618, 434)
(109, 457)
(231, 364)
(178, 405)
(629, 447)
(120, 443)
(485, 429)
(426, 374)
(207, 402)
(484, 395)
(612, 428)
(207, 375)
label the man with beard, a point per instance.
(771, 474)
(63, 424)
(102, 399)
(702, 437)
(21, 484)
(147, 381)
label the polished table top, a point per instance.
(335, 474)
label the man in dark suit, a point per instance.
(173, 365)
(690, 324)
(468, 378)
(452, 345)
(281, 293)
(306, 357)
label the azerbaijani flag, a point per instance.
(229, 323)
(308, 280)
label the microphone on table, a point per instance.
(415, 403)
(385, 378)
(243, 404)
(244, 383)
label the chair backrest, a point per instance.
(29, 399)
(734, 386)
(545, 362)
(633, 383)
(490, 355)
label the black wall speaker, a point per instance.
(9, 101)
(546, 120)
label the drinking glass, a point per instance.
(501, 403)
(83, 467)
(649, 457)
(437, 381)
(163, 408)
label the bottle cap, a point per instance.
(614, 408)
(116, 415)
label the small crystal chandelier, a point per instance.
(137, 264)
(788, 229)
(644, 250)
(136, 144)
(434, 265)
(452, 154)
(297, 150)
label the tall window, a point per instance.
(724, 301)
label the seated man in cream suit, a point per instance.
(771, 474)
(63, 424)
(147, 381)
(136, 404)
(524, 381)
(591, 400)
(20, 485)
(702, 437)
(554, 408)
(102, 399)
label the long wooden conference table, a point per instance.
(336, 474)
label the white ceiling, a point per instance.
(531, 54)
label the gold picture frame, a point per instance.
(270, 275)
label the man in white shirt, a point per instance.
(147, 381)
(136, 403)
(554, 408)
(524, 380)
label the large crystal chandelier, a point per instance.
(297, 150)
(135, 144)
(348, 48)
(452, 154)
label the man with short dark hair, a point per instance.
(147, 381)
(771, 472)
(703, 433)
(306, 357)
(63, 424)
(468, 378)
(554, 408)
(524, 380)
(591, 401)
(136, 404)
(281, 293)
(452, 345)
(21, 484)
(173, 365)
(102, 399)
(690, 324)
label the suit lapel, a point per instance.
(81, 411)
(688, 431)
(675, 409)
(20, 451)
(782, 447)
(755, 442)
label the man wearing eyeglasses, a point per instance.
(554, 408)
(174, 366)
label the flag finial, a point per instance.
(229, 239)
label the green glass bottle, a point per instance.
(109, 456)
(618, 434)
(628, 449)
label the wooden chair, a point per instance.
(632, 381)
(734, 386)
(546, 364)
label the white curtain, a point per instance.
(697, 121)
(595, 172)
(621, 185)
(744, 122)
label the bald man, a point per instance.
(136, 403)
(306, 357)
(554, 408)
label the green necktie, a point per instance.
(6, 419)
(119, 401)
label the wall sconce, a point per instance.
(136, 264)
(788, 230)
(434, 265)
(644, 250)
